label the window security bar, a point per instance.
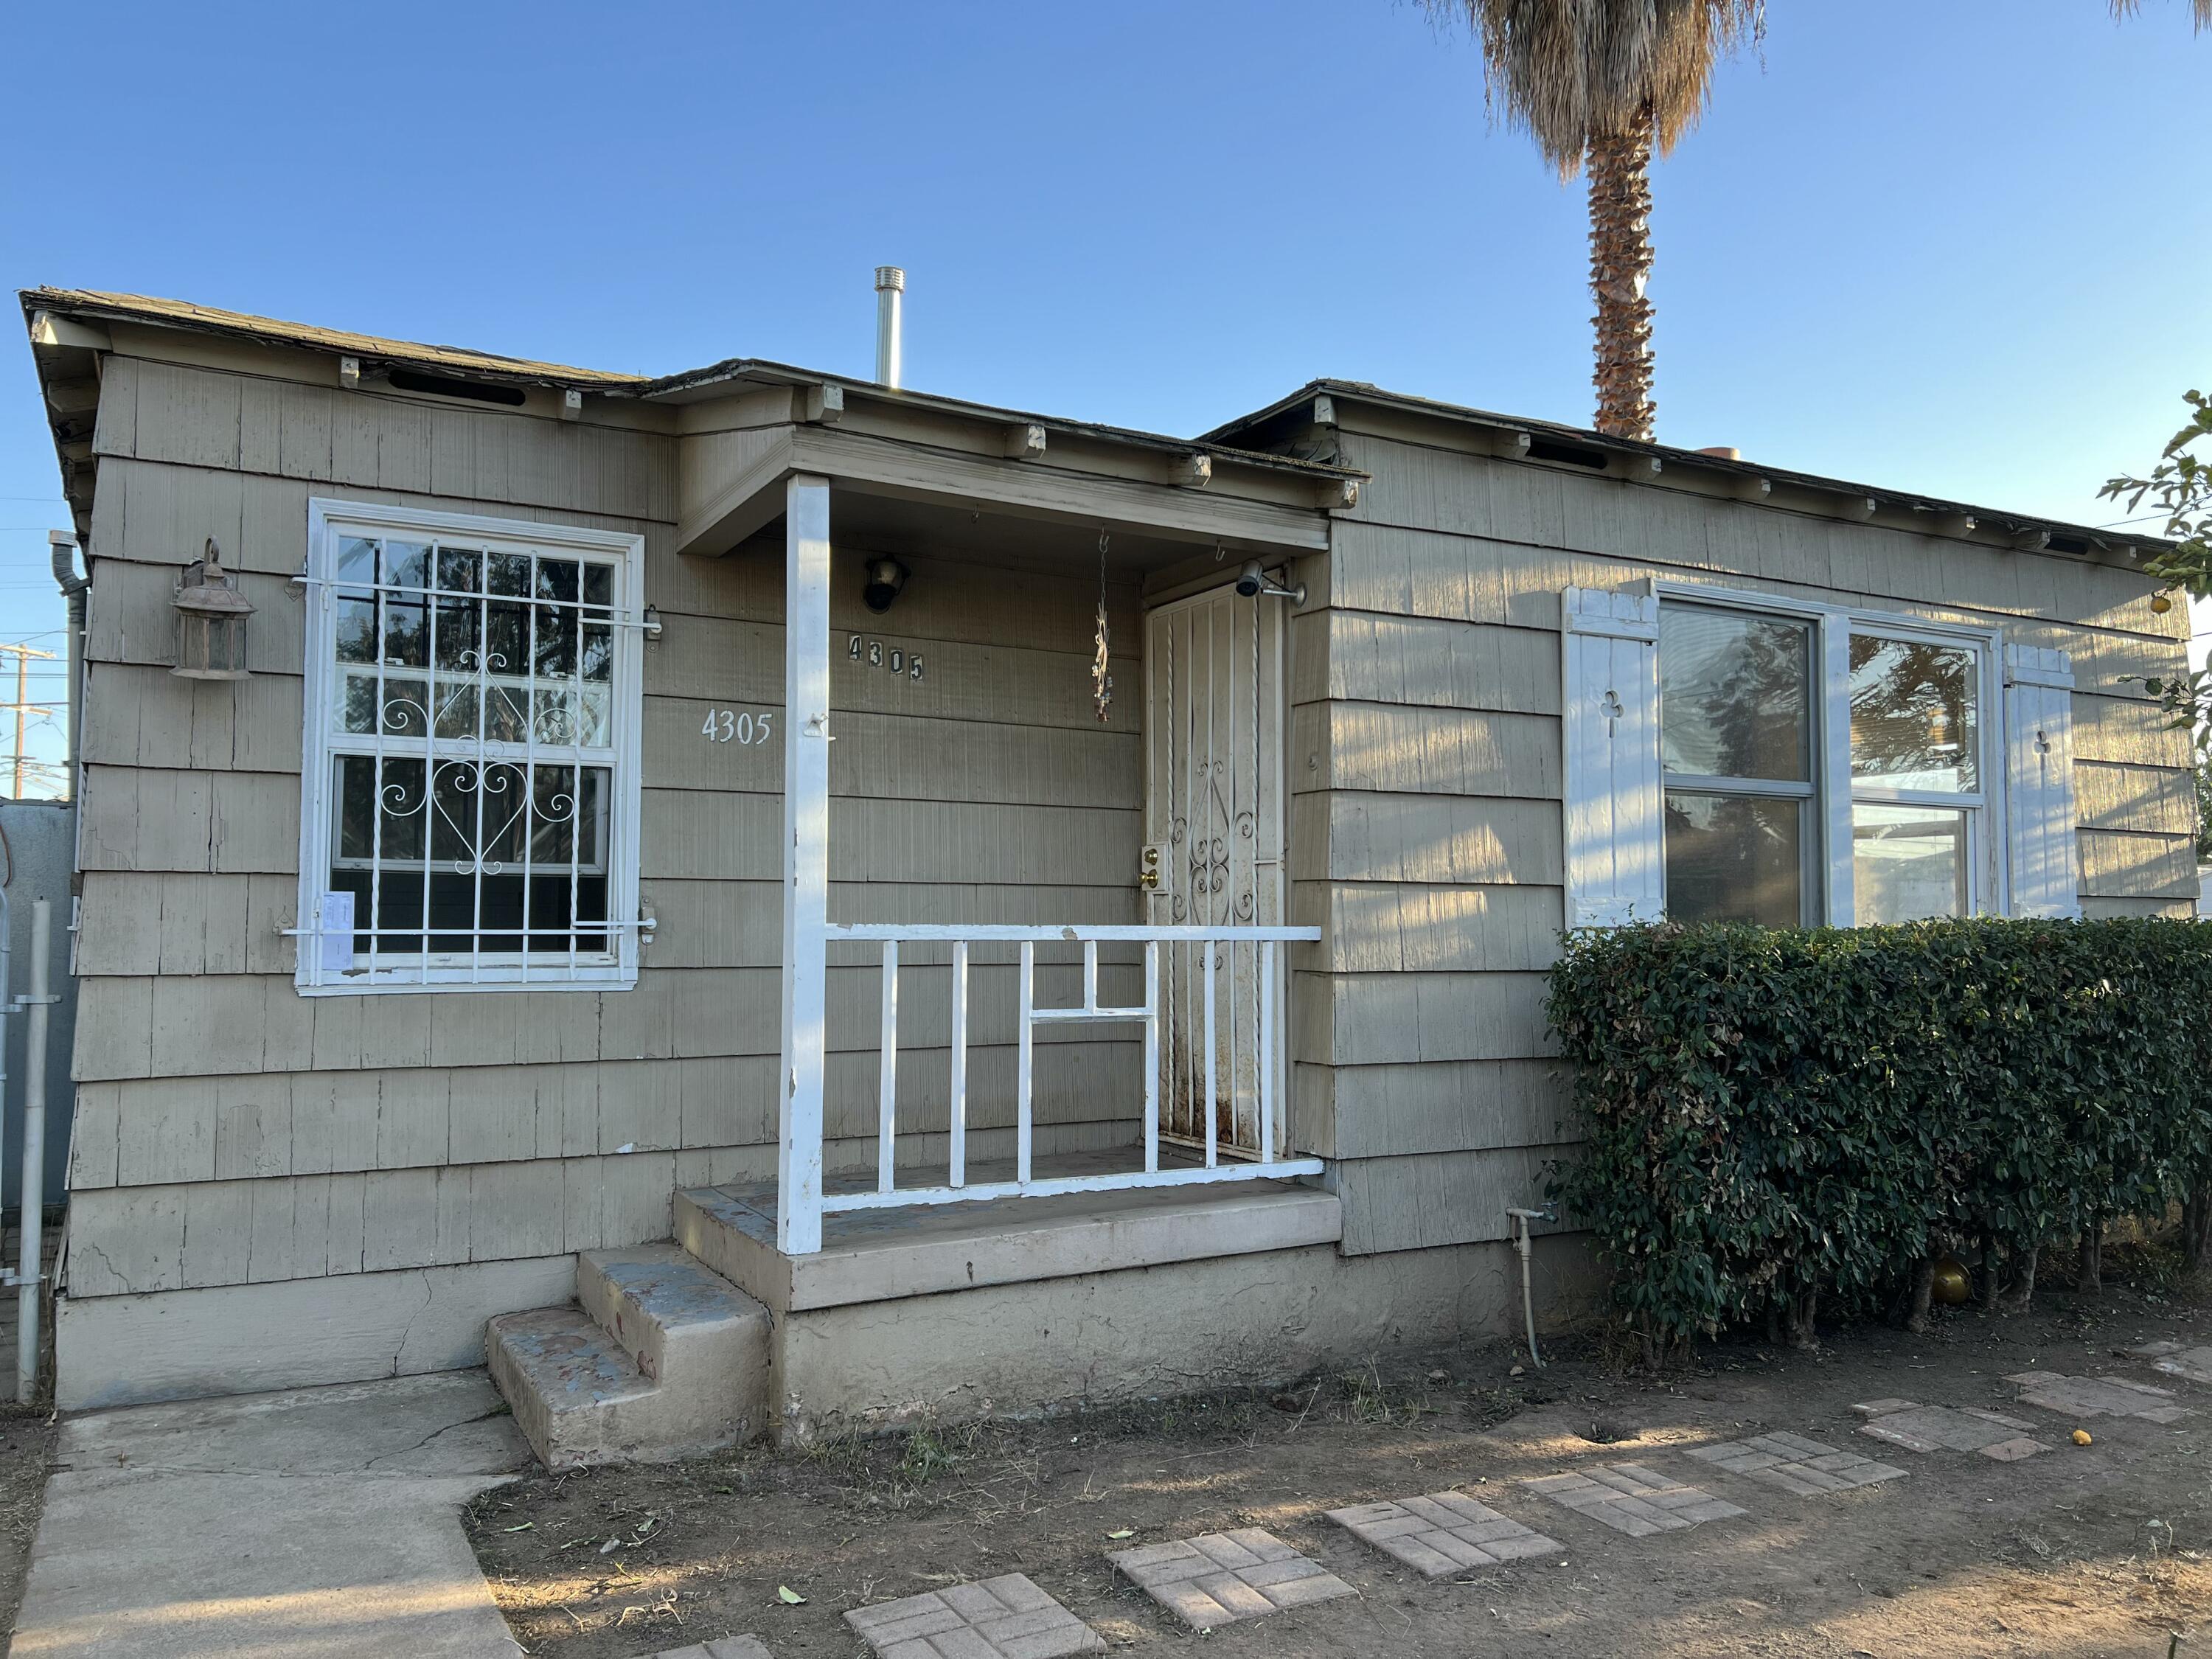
(646, 620)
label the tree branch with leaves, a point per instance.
(2180, 488)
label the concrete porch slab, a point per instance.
(321, 1522)
(881, 1255)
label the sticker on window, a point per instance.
(336, 910)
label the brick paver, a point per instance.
(1940, 1428)
(2192, 1364)
(2097, 1396)
(726, 1647)
(1224, 1576)
(1796, 1464)
(1005, 1618)
(1630, 1499)
(1445, 1532)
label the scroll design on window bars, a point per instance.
(472, 739)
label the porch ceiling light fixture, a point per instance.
(1254, 583)
(211, 617)
(886, 577)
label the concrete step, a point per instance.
(675, 1317)
(662, 1360)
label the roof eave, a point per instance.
(2020, 525)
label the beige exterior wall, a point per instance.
(352, 1182)
(1426, 750)
(231, 1133)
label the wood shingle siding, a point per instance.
(238, 422)
(231, 1131)
(1426, 752)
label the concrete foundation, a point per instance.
(297, 1333)
(1100, 1339)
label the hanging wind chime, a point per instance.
(1102, 682)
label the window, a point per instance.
(1821, 766)
(1735, 741)
(470, 774)
(1915, 736)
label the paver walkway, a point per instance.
(1003, 1618)
(2097, 1396)
(1939, 1428)
(1630, 1499)
(1445, 1532)
(1796, 1464)
(727, 1647)
(2192, 1364)
(1223, 1576)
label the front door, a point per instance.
(1214, 828)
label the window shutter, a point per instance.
(2039, 721)
(1614, 835)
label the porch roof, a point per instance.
(1318, 403)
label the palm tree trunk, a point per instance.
(1620, 267)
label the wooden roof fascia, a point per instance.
(79, 304)
(1510, 436)
(900, 468)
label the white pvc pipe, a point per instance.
(35, 1155)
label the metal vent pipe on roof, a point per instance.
(891, 286)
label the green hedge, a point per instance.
(1775, 1116)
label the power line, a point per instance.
(22, 707)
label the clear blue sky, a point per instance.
(1940, 246)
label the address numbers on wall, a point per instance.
(878, 653)
(739, 726)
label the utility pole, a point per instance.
(22, 707)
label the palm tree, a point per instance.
(1600, 83)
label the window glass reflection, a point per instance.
(1912, 713)
(1735, 858)
(1735, 694)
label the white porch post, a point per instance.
(805, 860)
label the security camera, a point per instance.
(1252, 583)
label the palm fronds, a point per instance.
(1574, 70)
(2123, 9)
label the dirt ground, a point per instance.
(27, 1447)
(2105, 1550)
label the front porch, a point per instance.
(1168, 1022)
(1033, 1127)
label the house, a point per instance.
(1102, 954)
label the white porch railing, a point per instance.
(808, 933)
(1266, 943)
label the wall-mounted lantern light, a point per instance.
(211, 617)
(885, 578)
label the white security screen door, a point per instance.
(1214, 830)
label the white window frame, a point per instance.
(614, 969)
(1834, 790)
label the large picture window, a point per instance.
(1822, 767)
(469, 773)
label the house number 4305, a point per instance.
(875, 654)
(734, 726)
